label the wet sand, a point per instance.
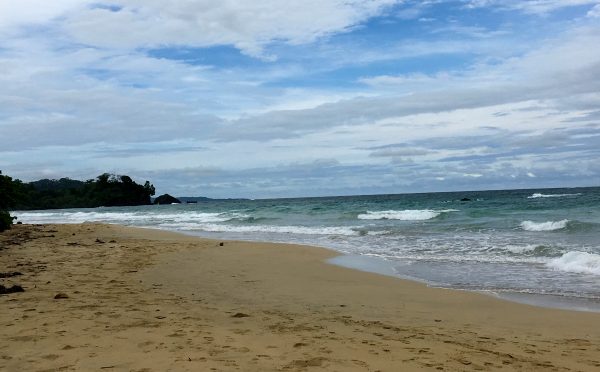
(147, 300)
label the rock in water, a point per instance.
(166, 199)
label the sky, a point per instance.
(267, 98)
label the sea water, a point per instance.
(539, 246)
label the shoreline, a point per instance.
(558, 262)
(382, 267)
(146, 299)
(548, 301)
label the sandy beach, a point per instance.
(107, 297)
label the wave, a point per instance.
(143, 218)
(251, 219)
(304, 230)
(405, 215)
(410, 257)
(577, 262)
(533, 250)
(544, 226)
(540, 195)
(520, 249)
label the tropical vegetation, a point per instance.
(105, 190)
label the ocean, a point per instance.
(534, 246)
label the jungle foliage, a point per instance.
(106, 190)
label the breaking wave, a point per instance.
(136, 218)
(533, 250)
(577, 262)
(544, 226)
(405, 215)
(540, 195)
(520, 249)
(209, 227)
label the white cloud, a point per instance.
(530, 6)
(248, 25)
(594, 12)
(497, 119)
(560, 58)
(399, 152)
(35, 12)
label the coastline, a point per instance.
(142, 299)
(380, 266)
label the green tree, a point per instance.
(149, 188)
(6, 201)
(106, 190)
(6, 220)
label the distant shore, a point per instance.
(118, 298)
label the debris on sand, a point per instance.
(10, 275)
(13, 289)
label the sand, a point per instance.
(146, 300)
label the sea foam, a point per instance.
(544, 226)
(577, 262)
(137, 218)
(520, 249)
(540, 195)
(405, 215)
(304, 230)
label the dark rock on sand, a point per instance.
(10, 275)
(60, 296)
(240, 315)
(13, 289)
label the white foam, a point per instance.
(544, 226)
(334, 230)
(405, 215)
(138, 218)
(376, 233)
(540, 195)
(577, 262)
(519, 249)
(459, 258)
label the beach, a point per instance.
(532, 246)
(108, 297)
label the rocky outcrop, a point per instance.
(166, 199)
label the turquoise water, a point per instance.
(538, 242)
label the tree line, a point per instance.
(106, 190)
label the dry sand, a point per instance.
(145, 300)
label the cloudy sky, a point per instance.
(267, 98)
